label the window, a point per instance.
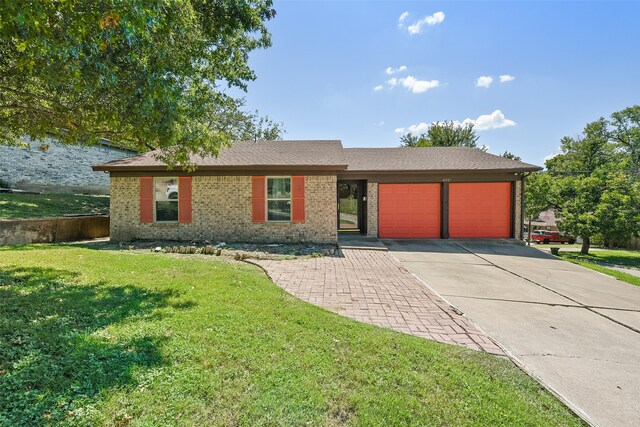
(278, 199)
(166, 199)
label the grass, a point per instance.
(92, 338)
(349, 206)
(627, 258)
(597, 261)
(15, 205)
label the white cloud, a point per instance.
(400, 69)
(494, 120)
(506, 78)
(378, 88)
(552, 155)
(430, 20)
(420, 127)
(418, 86)
(402, 18)
(412, 84)
(484, 81)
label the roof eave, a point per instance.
(441, 171)
(160, 168)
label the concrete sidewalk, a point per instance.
(576, 330)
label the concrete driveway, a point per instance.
(576, 330)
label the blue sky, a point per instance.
(572, 62)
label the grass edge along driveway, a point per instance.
(601, 260)
(92, 337)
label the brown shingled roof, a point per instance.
(431, 159)
(329, 155)
(250, 155)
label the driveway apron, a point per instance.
(575, 329)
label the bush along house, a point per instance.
(309, 191)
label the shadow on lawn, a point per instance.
(51, 359)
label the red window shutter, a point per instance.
(146, 199)
(258, 198)
(184, 199)
(297, 198)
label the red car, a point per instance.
(544, 236)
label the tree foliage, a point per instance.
(536, 196)
(595, 182)
(443, 134)
(510, 155)
(147, 74)
(626, 134)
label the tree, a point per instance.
(584, 154)
(147, 74)
(252, 127)
(626, 133)
(618, 212)
(595, 189)
(411, 140)
(511, 156)
(443, 134)
(580, 196)
(536, 197)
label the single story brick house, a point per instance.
(308, 191)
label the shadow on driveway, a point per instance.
(575, 329)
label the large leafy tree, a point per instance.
(510, 155)
(536, 197)
(147, 74)
(626, 135)
(584, 154)
(443, 134)
(595, 188)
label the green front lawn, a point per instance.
(595, 259)
(47, 205)
(627, 258)
(90, 337)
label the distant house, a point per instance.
(57, 168)
(545, 221)
(294, 191)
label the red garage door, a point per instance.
(409, 210)
(480, 209)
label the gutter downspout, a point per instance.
(522, 178)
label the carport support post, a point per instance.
(444, 210)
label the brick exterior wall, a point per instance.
(372, 209)
(222, 212)
(518, 210)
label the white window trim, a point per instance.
(154, 199)
(266, 199)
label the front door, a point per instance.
(351, 212)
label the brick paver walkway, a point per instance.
(373, 287)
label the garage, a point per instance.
(480, 210)
(409, 211)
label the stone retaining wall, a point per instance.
(52, 230)
(58, 169)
